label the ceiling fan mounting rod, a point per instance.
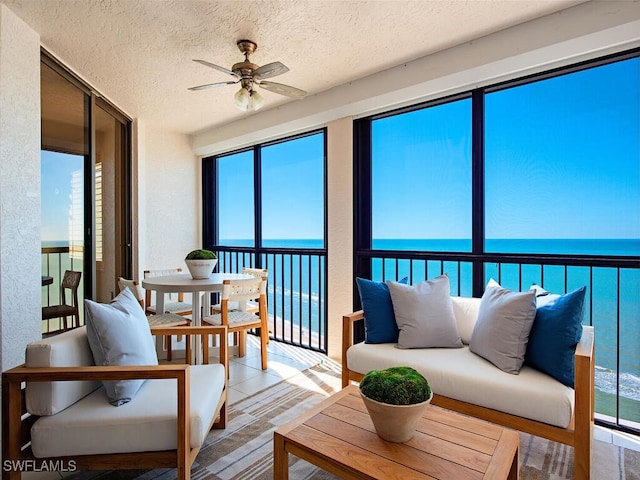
(247, 47)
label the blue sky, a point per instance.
(292, 191)
(56, 174)
(562, 160)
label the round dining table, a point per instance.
(185, 283)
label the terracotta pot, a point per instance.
(395, 423)
(201, 269)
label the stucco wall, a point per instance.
(20, 269)
(170, 208)
(340, 226)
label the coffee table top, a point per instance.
(338, 436)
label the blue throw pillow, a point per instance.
(557, 329)
(379, 321)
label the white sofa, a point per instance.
(531, 401)
(164, 425)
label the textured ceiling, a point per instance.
(138, 53)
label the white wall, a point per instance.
(169, 198)
(20, 269)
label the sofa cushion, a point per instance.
(424, 314)
(379, 321)
(147, 423)
(67, 349)
(462, 375)
(502, 329)
(119, 334)
(556, 331)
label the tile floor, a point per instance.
(247, 378)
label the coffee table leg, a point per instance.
(280, 459)
(514, 473)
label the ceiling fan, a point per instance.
(249, 75)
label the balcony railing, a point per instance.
(296, 290)
(612, 306)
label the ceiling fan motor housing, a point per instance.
(245, 69)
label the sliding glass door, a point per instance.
(85, 178)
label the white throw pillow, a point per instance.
(119, 334)
(424, 314)
(543, 297)
(502, 330)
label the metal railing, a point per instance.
(296, 290)
(612, 306)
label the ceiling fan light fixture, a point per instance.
(242, 99)
(257, 100)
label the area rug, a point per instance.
(244, 450)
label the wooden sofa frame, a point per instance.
(17, 423)
(579, 433)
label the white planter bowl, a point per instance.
(395, 423)
(201, 269)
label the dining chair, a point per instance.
(250, 307)
(179, 308)
(240, 321)
(163, 320)
(70, 283)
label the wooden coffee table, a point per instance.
(338, 436)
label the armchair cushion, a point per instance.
(119, 334)
(147, 423)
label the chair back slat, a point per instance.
(148, 301)
(134, 287)
(239, 290)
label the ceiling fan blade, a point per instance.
(216, 67)
(270, 70)
(210, 85)
(285, 90)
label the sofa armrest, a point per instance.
(584, 374)
(347, 340)
(584, 402)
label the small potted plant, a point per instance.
(201, 263)
(395, 399)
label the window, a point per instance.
(421, 179)
(265, 208)
(537, 181)
(236, 200)
(562, 164)
(293, 193)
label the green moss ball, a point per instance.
(396, 386)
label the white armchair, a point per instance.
(163, 426)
